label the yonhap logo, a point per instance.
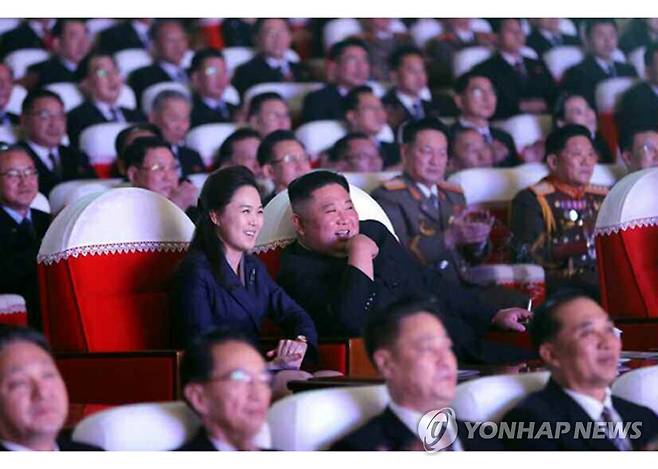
(437, 429)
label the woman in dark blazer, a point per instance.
(219, 285)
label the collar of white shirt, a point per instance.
(465, 35)
(212, 103)
(140, 28)
(278, 63)
(221, 445)
(171, 69)
(106, 109)
(35, 26)
(11, 446)
(428, 191)
(605, 66)
(408, 101)
(549, 35)
(43, 152)
(410, 419)
(593, 407)
(17, 217)
(466, 123)
(511, 59)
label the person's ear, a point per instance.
(627, 158)
(214, 218)
(350, 117)
(196, 397)
(131, 174)
(383, 362)
(551, 162)
(547, 354)
(459, 102)
(194, 79)
(395, 77)
(268, 171)
(298, 224)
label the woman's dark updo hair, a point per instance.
(216, 194)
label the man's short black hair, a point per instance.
(628, 136)
(558, 138)
(83, 68)
(197, 364)
(266, 147)
(120, 140)
(544, 325)
(351, 101)
(462, 82)
(60, 25)
(135, 153)
(339, 150)
(338, 48)
(256, 102)
(225, 152)
(399, 54)
(559, 109)
(203, 54)
(455, 133)
(10, 334)
(592, 22)
(301, 189)
(382, 327)
(650, 53)
(412, 128)
(33, 96)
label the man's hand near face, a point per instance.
(361, 251)
(185, 195)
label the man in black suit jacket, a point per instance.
(102, 82)
(30, 34)
(579, 345)
(44, 124)
(33, 398)
(412, 351)
(601, 34)
(209, 81)
(170, 44)
(273, 38)
(523, 85)
(546, 34)
(226, 383)
(7, 119)
(129, 34)
(639, 148)
(348, 63)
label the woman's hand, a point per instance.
(289, 354)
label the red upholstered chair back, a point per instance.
(13, 310)
(105, 271)
(627, 247)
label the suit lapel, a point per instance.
(425, 204)
(243, 295)
(398, 436)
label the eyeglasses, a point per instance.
(47, 115)
(103, 72)
(161, 168)
(243, 376)
(291, 159)
(16, 174)
(648, 150)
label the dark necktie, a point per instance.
(520, 69)
(621, 444)
(57, 167)
(419, 113)
(115, 116)
(487, 137)
(221, 110)
(612, 72)
(26, 229)
(557, 40)
(434, 203)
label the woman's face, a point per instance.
(240, 222)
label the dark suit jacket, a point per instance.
(144, 77)
(67, 444)
(553, 405)
(119, 37)
(390, 153)
(75, 165)
(190, 161)
(386, 432)
(603, 149)
(50, 71)
(511, 87)
(202, 114)
(200, 442)
(540, 44)
(582, 78)
(325, 103)
(638, 107)
(237, 33)
(257, 71)
(21, 37)
(201, 303)
(397, 113)
(87, 114)
(503, 137)
(636, 34)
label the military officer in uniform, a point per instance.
(553, 220)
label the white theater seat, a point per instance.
(231, 95)
(608, 92)
(69, 92)
(96, 26)
(18, 94)
(7, 24)
(490, 397)
(207, 138)
(320, 135)
(236, 56)
(559, 59)
(568, 27)
(425, 29)
(40, 202)
(129, 60)
(639, 386)
(8, 134)
(127, 97)
(487, 185)
(68, 192)
(526, 129)
(636, 58)
(20, 60)
(313, 420)
(467, 58)
(97, 141)
(13, 310)
(153, 91)
(480, 25)
(339, 29)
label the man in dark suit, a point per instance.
(70, 44)
(476, 98)
(102, 83)
(209, 81)
(599, 65)
(349, 65)
(273, 38)
(546, 34)
(30, 34)
(21, 228)
(171, 114)
(170, 43)
(354, 153)
(340, 269)
(639, 104)
(129, 34)
(638, 32)
(268, 112)
(7, 119)
(413, 352)
(33, 398)
(283, 159)
(44, 124)
(240, 149)
(523, 85)
(639, 148)
(226, 383)
(579, 345)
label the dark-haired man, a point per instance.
(268, 112)
(579, 345)
(640, 148)
(240, 148)
(132, 33)
(283, 159)
(209, 80)
(355, 152)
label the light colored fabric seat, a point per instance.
(207, 138)
(20, 60)
(639, 386)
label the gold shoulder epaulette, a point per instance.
(450, 187)
(598, 190)
(395, 184)
(542, 188)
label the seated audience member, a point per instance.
(220, 284)
(21, 228)
(268, 112)
(355, 152)
(382, 41)
(102, 83)
(553, 220)
(546, 34)
(574, 109)
(128, 136)
(640, 149)
(467, 149)
(209, 80)
(413, 352)
(7, 118)
(365, 113)
(30, 34)
(404, 101)
(639, 104)
(523, 85)
(128, 34)
(240, 149)
(340, 269)
(347, 66)
(33, 398)
(238, 32)
(282, 158)
(43, 122)
(169, 42)
(599, 64)
(639, 32)
(151, 165)
(476, 99)
(273, 38)
(578, 343)
(226, 383)
(171, 114)
(70, 43)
